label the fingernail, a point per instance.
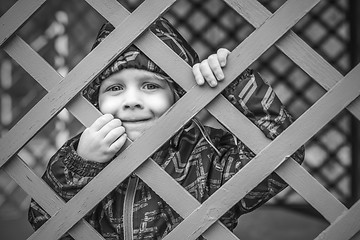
(221, 76)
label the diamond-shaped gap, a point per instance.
(286, 78)
(83, 24)
(6, 5)
(43, 28)
(19, 95)
(333, 16)
(330, 150)
(130, 5)
(272, 5)
(208, 25)
(308, 29)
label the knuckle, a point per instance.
(212, 58)
(203, 63)
(196, 66)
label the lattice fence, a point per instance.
(271, 29)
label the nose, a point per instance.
(133, 101)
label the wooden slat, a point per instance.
(45, 196)
(271, 157)
(177, 197)
(111, 10)
(295, 48)
(81, 75)
(48, 77)
(152, 139)
(16, 16)
(32, 63)
(345, 226)
(311, 190)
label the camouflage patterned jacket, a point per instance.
(188, 158)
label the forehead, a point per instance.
(133, 75)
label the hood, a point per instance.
(132, 57)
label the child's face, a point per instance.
(137, 97)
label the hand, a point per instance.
(102, 140)
(210, 69)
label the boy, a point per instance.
(132, 94)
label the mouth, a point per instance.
(134, 121)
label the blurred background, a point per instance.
(62, 32)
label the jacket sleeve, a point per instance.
(66, 173)
(257, 101)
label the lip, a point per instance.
(136, 120)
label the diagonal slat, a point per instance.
(16, 16)
(64, 91)
(271, 157)
(295, 48)
(345, 226)
(45, 196)
(301, 181)
(172, 121)
(111, 10)
(176, 196)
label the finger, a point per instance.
(101, 121)
(215, 67)
(114, 134)
(112, 124)
(199, 79)
(207, 73)
(118, 144)
(222, 54)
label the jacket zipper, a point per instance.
(128, 207)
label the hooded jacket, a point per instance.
(201, 159)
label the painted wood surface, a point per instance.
(272, 33)
(45, 196)
(16, 16)
(345, 227)
(177, 197)
(344, 222)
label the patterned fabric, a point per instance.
(132, 57)
(188, 158)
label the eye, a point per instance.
(115, 88)
(150, 86)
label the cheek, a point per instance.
(106, 105)
(162, 103)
